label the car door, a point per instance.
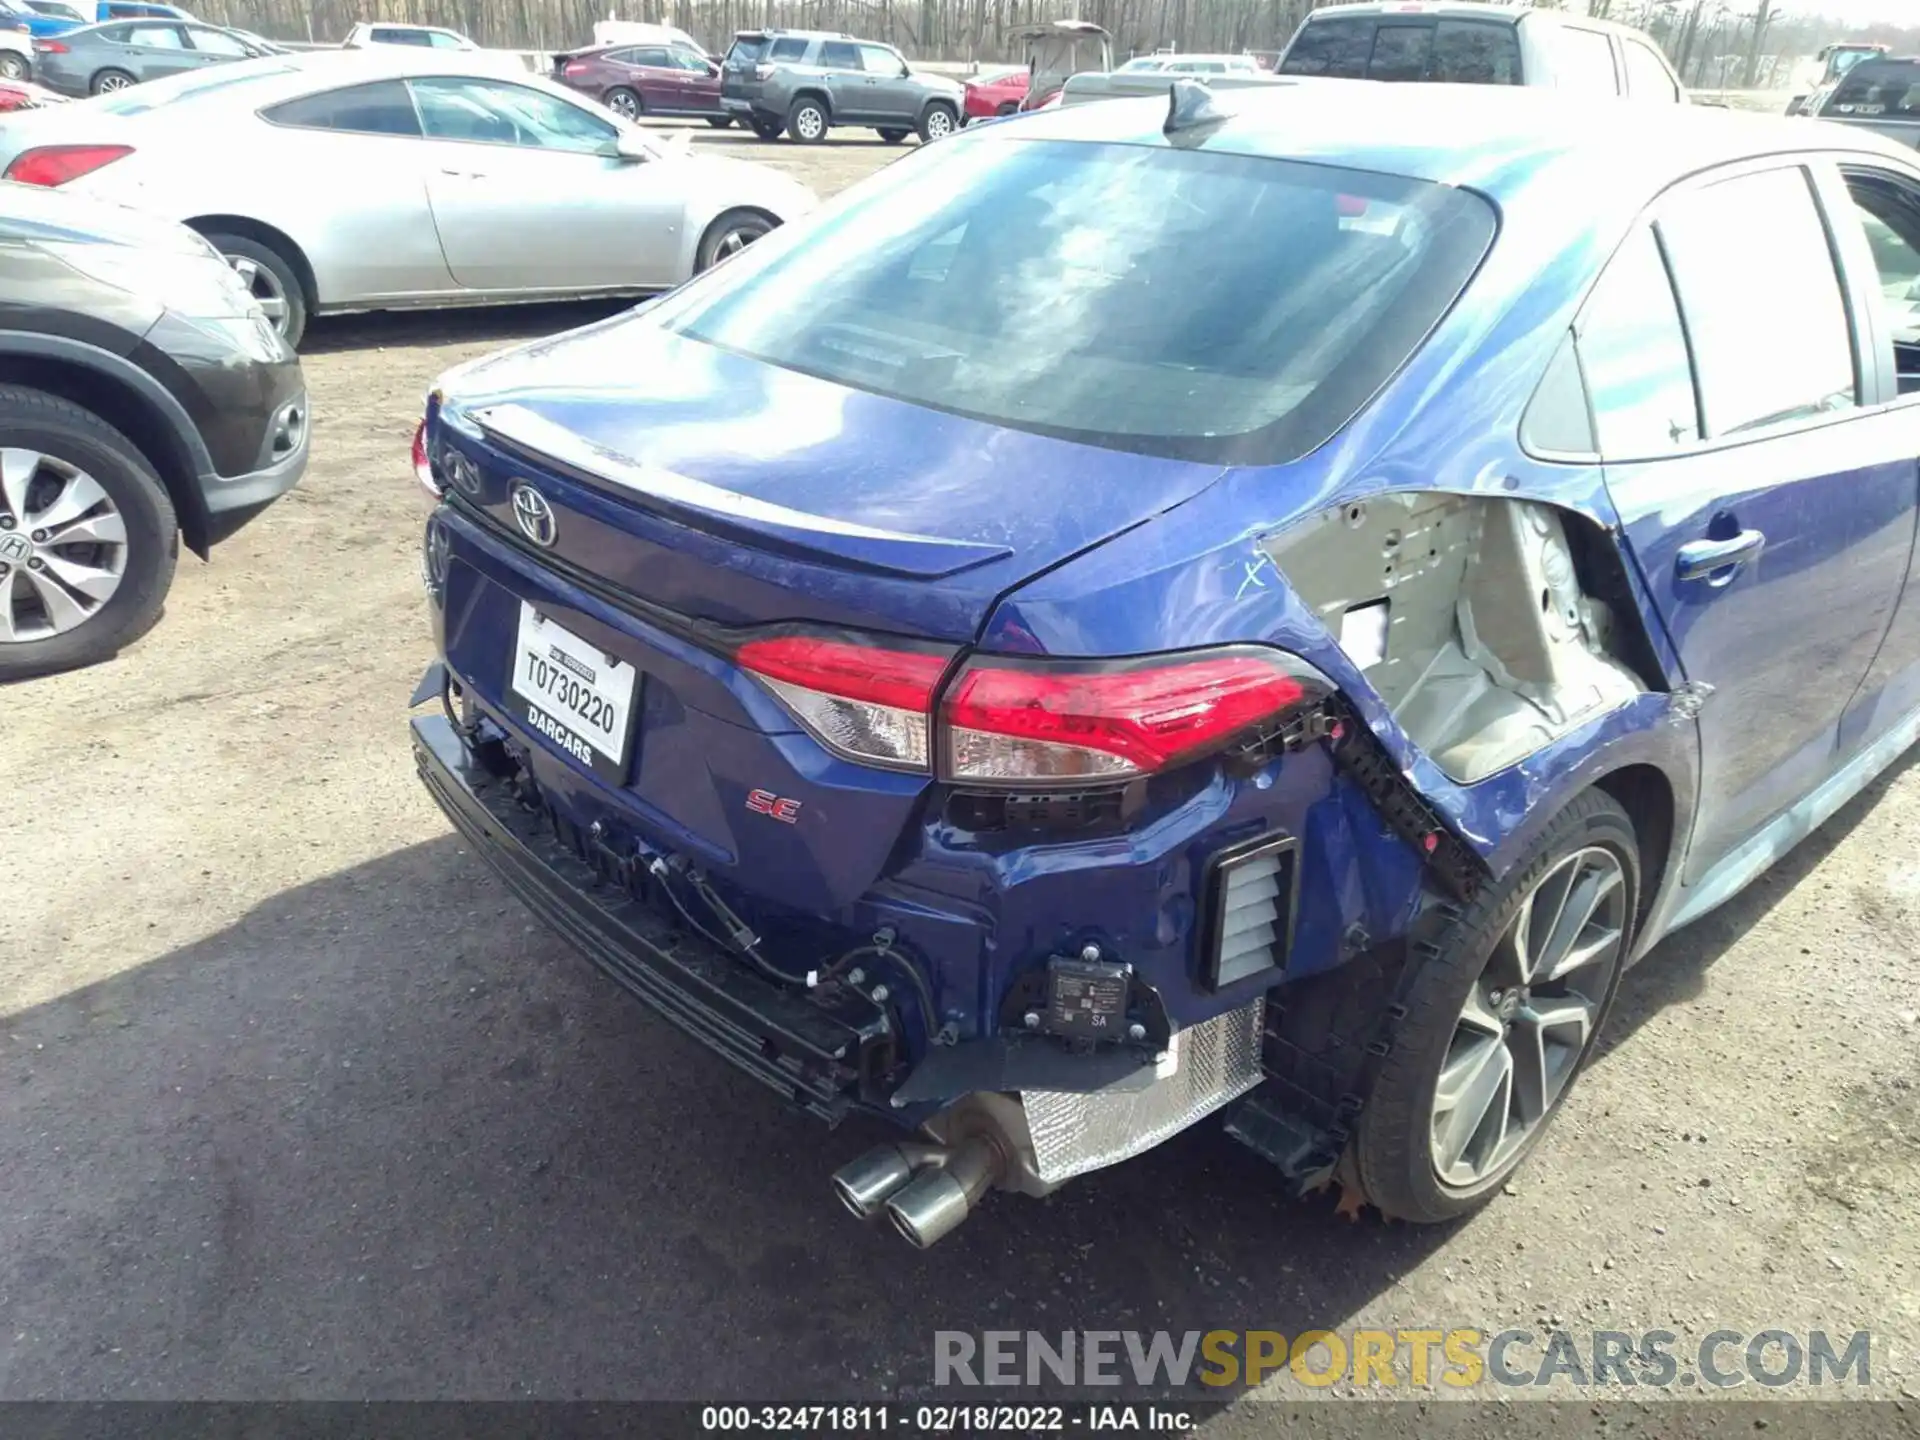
(360, 150)
(1882, 96)
(846, 80)
(151, 49)
(1878, 229)
(528, 192)
(1769, 512)
(660, 86)
(699, 81)
(891, 94)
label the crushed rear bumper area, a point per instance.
(822, 1062)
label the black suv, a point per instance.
(144, 398)
(808, 81)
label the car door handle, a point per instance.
(1701, 558)
(465, 174)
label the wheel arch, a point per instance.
(812, 92)
(1646, 793)
(275, 239)
(131, 401)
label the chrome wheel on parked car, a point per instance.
(729, 235)
(939, 122)
(13, 67)
(108, 81)
(63, 546)
(1527, 1019)
(624, 102)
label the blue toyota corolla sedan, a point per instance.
(1255, 607)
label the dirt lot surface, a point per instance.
(296, 1102)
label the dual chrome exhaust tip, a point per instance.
(926, 1191)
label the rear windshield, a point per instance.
(1879, 87)
(746, 49)
(1170, 302)
(139, 99)
(1393, 47)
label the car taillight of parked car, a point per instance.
(423, 463)
(57, 164)
(49, 47)
(575, 67)
(1016, 721)
(763, 72)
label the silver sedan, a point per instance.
(372, 180)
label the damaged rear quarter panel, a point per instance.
(1448, 424)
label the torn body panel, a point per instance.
(1467, 618)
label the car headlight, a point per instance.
(202, 286)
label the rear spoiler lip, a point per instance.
(711, 508)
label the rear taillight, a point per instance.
(763, 72)
(57, 164)
(574, 67)
(49, 47)
(863, 701)
(1020, 722)
(423, 463)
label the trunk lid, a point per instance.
(734, 492)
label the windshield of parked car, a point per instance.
(1175, 302)
(1878, 87)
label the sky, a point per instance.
(1864, 12)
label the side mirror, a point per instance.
(631, 148)
(905, 70)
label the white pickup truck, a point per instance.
(1462, 44)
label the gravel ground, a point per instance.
(296, 1102)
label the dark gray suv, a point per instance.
(807, 81)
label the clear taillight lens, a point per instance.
(861, 700)
(1013, 722)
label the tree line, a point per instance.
(1705, 38)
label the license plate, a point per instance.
(574, 693)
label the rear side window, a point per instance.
(1762, 299)
(381, 108)
(1473, 52)
(655, 58)
(1879, 87)
(1339, 48)
(383, 36)
(1647, 76)
(1051, 287)
(1633, 352)
(154, 37)
(788, 49)
(839, 55)
(1583, 61)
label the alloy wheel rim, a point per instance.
(110, 83)
(1527, 1018)
(624, 104)
(812, 123)
(939, 125)
(265, 288)
(63, 546)
(736, 240)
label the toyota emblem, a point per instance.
(534, 515)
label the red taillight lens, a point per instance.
(574, 67)
(763, 72)
(423, 463)
(1013, 722)
(57, 164)
(860, 700)
(49, 47)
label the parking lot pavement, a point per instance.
(294, 1101)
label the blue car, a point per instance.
(1257, 608)
(42, 17)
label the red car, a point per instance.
(989, 95)
(636, 80)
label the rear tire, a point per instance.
(625, 103)
(720, 122)
(13, 67)
(1008, 107)
(1478, 994)
(271, 277)
(108, 81)
(894, 137)
(938, 121)
(766, 129)
(807, 121)
(82, 463)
